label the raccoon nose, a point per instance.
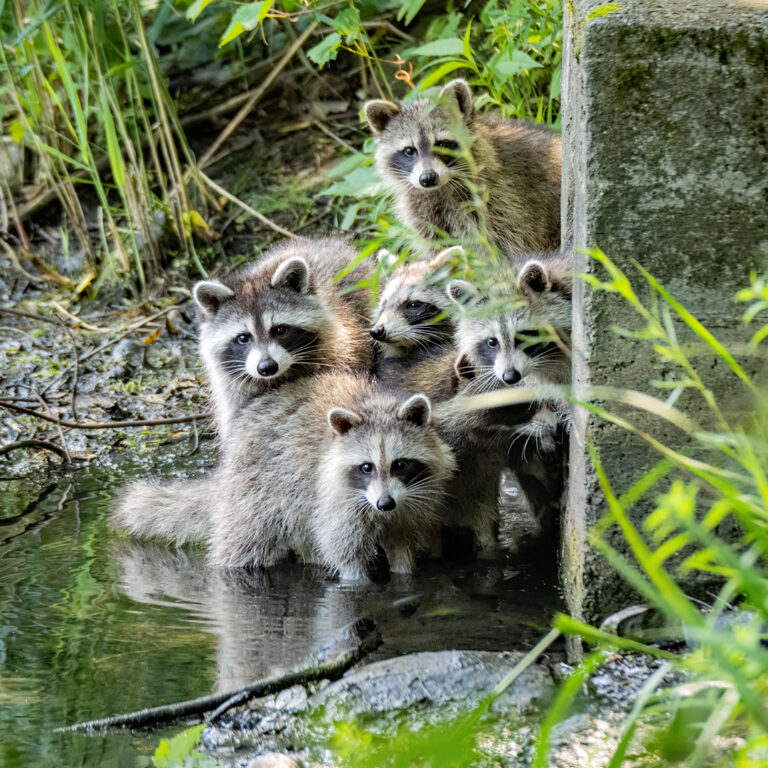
(511, 376)
(428, 179)
(386, 503)
(267, 367)
(379, 332)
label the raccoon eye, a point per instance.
(450, 146)
(493, 342)
(366, 468)
(409, 151)
(399, 465)
(243, 338)
(280, 330)
(414, 304)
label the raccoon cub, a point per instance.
(282, 317)
(328, 468)
(448, 168)
(524, 343)
(413, 328)
(522, 340)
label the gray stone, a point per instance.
(435, 678)
(665, 163)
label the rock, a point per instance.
(436, 678)
(274, 760)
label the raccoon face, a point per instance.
(423, 145)
(525, 343)
(412, 311)
(385, 466)
(508, 350)
(263, 332)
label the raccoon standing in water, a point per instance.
(413, 328)
(524, 343)
(329, 468)
(448, 168)
(282, 317)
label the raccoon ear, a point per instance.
(464, 368)
(378, 114)
(292, 273)
(533, 278)
(459, 91)
(446, 256)
(416, 409)
(341, 420)
(461, 293)
(210, 295)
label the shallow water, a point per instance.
(92, 624)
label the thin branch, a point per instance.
(247, 208)
(313, 671)
(45, 444)
(102, 424)
(18, 313)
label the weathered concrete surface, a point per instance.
(665, 162)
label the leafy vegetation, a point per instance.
(89, 118)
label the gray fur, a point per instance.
(295, 279)
(284, 485)
(512, 165)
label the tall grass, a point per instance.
(88, 101)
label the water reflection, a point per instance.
(92, 624)
(268, 621)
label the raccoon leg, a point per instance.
(400, 559)
(176, 511)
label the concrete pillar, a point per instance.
(665, 162)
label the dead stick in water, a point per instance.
(220, 702)
(102, 424)
(45, 444)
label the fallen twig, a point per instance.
(102, 424)
(48, 446)
(247, 208)
(314, 671)
(30, 315)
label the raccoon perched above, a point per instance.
(413, 328)
(448, 167)
(329, 468)
(282, 317)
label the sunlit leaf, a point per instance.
(326, 50)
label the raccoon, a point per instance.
(522, 342)
(329, 468)
(413, 328)
(280, 318)
(450, 169)
(526, 344)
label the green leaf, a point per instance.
(451, 46)
(248, 17)
(361, 182)
(517, 63)
(171, 752)
(347, 22)
(197, 8)
(408, 10)
(554, 86)
(440, 73)
(17, 131)
(604, 10)
(326, 50)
